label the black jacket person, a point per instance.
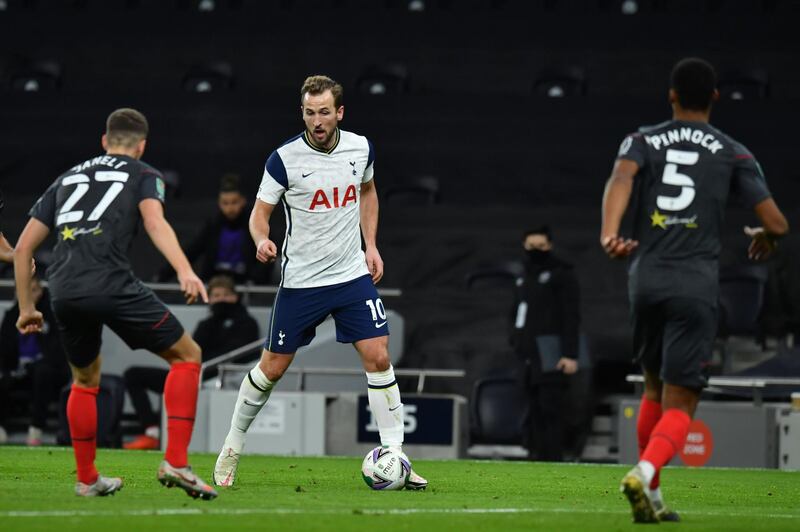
(546, 337)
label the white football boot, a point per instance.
(186, 479)
(102, 486)
(226, 466)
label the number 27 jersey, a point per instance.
(93, 209)
(686, 172)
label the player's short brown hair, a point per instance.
(222, 281)
(318, 85)
(125, 127)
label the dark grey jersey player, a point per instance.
(684, 170)
(94, 209)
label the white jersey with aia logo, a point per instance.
(320, 191)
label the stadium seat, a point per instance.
(36, 76)
(503, 273)
(209, 77)
(110, 401)
(379, 80)
(741, 298)
(499, 411)
(560, 82)
(422, 190)
(752, 84)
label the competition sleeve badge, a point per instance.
(160, 188)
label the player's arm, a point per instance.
(615, 200)
(6, 250)
(163, 236)
(369, 229)
(773, 226)
(266, 250)
(30, 320)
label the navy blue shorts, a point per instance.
(355, 306)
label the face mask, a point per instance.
(222, 309)
(538, 256)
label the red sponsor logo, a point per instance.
(330, 200)
(699, 445)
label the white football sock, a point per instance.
(384, 401)
(655, 495)
(253, 395)
(649, 471)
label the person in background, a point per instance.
(546, 338)
(33, 363)
(223, 245)
(230, 326)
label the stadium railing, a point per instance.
(245, 289)
(422, 374)
(757, 385)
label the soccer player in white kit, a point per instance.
(324, 179)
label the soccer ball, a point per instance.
(384, 469)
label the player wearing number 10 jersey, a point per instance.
(94, 210)
(685, 170)
(324, 179)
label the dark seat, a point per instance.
(741, 298)
(423, 190)
(110, 401)
(209, 77)
(379, 80)
(752, 84)
(501, 273)
(560, 82)
(499, 411)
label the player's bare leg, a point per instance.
(180, 401)
(82, 418)
(384, 398)
(253, 395)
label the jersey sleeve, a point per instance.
(151, 185)
(274, 182)
(369, 171)
(749, 183)
(44, 209)
(633, 148)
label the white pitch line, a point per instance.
(367, 511)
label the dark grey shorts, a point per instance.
(137, 316)
(674, 339)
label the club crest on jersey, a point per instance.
(330, 200)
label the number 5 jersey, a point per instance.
(686, 172)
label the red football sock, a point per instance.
(180, 399)
(649, 415)
(667, 438)
(82, 417)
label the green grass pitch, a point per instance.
(288, 494)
